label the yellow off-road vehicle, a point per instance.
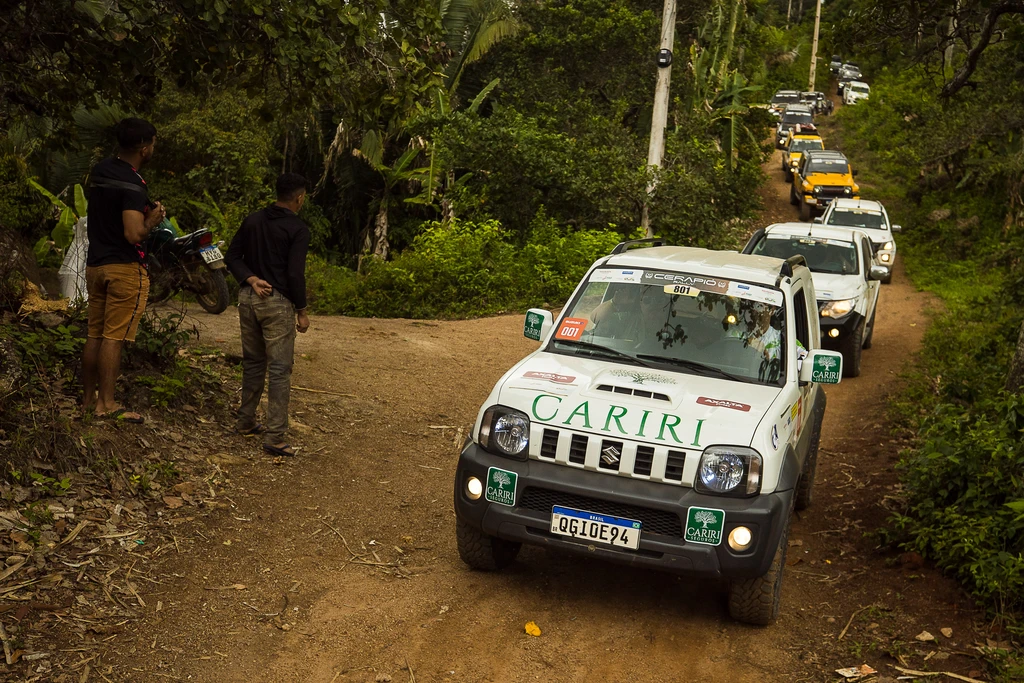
(799, 140)
(821, 178)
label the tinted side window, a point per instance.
(800, 314)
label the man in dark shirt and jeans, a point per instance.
(120, 218)
(268, 258)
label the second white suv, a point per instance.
(855, 91)
(845, 280)
(871, 217)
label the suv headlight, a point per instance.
(837, 308)
(505, 431)
(729, 470)
(847, 190)
(887, 246)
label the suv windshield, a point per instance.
(827, 166)
(797, 117)
(685, 322)
(788, 98)
(860, 89)
(834, 257)
(804, 145)
(856, 218)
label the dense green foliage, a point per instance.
(949, 164)
(462, 269)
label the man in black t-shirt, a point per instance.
(120, 218)
(268, 258)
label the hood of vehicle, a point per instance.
(877, 235)
(631, 402)
(830, 179)
(828, 287)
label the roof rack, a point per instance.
(792, 262)
(648, 241)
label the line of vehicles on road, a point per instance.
(672, 414)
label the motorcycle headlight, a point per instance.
(837, 308)
(505, 431)
(729, 470)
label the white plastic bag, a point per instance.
(72, 271)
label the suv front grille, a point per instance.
(653, 521)
(832, 191)
(624, 458)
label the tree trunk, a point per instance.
(1015, 377)
(380, 230)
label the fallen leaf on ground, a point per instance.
(532, 629)
(855, 672)
(946, 632)
(234, 586)
(173, 502)
(227, 459)
(924, 637)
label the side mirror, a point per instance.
(896, 228)
(538, 324)
(820, 220)
(854, 172)
(878, 273)
(822, 367)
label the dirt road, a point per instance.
(374, 479)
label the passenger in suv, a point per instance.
(820, 178)
(872, 218)
(845, 280)
(795, 114)
(677, 433)
(801, 139)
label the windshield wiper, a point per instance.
(604, 349)
(694, 365)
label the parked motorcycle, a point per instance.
(191, 263)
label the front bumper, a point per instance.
(661, 507)
(843, 327)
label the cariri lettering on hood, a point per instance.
(618, 420)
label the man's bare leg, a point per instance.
(109, 369)
(90, 370)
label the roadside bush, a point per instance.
(462, 270)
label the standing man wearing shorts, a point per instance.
(268, 258)
(120, 218)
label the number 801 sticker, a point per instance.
(682, 290)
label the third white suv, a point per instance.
(871, 217)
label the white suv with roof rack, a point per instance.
(871, 217)
(855, 91)
(845, 278)
(670, 419)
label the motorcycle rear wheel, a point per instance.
(215, 297)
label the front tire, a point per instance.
(805, 211)
(481, 551)
(804, 495)
(871, 331)
(756, 601)
(851, 351)
(215, 297)
(792, 197)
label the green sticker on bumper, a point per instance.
(501, 486)
(705, 525)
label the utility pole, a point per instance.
(814, 47)
(659, 120)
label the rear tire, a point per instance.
(215, 298)
(756, 601)
(851, 351)
(483, 552)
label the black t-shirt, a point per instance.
(107, 243)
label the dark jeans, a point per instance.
(268, 343)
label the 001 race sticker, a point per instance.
(571, 328)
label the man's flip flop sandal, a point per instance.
(122, 415)
(258, 429)
(284, 449)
